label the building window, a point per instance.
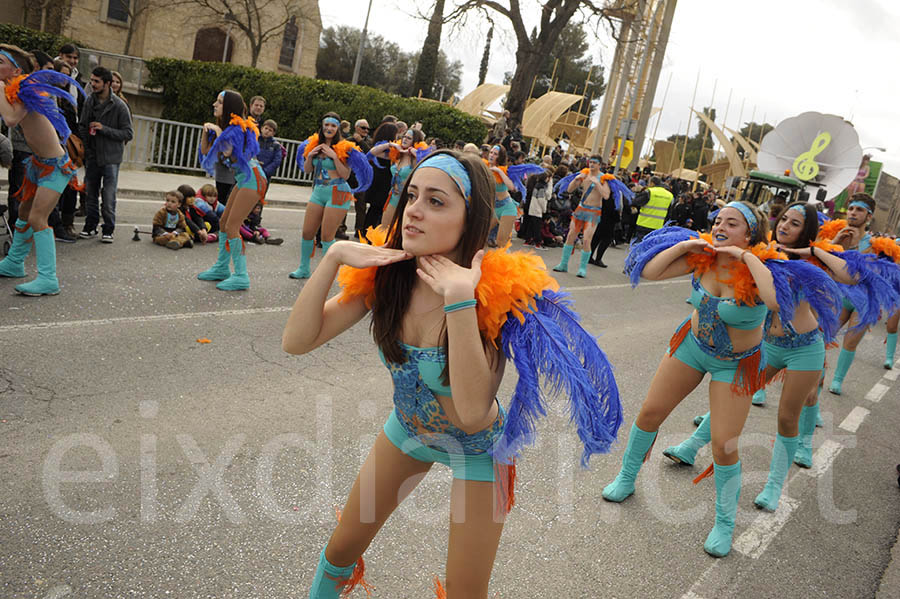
(117, 10)
(213, 45)
(289, 44)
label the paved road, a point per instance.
(213, 469)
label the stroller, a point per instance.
(5, 232)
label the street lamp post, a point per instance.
(362, 44)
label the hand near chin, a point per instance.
(731, 251)
(448, 279)
(698, 245)
(363, 255)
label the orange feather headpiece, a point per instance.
(738, 276)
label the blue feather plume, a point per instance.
(301, 149)
(372, 159)
(552, 345)
(37, 92)
(423, 153)
(620, 192)
(361, 168)
(872, 293)
(563, 184)
(798, 280)
(243, 145)
(518, 172)
(823, 218)
(655, 242)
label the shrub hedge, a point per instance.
(31, 39)
(297, 103)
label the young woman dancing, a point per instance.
(447, 364)
(403, 157)
(28, 99)
(735, 281)
(330, 158)
(232, 142)
(796, 347)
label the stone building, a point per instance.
(181, 29)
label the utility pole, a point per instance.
(362, 45)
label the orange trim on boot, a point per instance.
(706, 473)
(505, 484)
(439, 592)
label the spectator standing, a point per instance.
(105, 124)
(377, 194)
(700, 210)
(116, 87)
(653, 203)
(362, 139)
(271, 153)
(21, 153)
(257, 108)
(499, 131)
(62, 219)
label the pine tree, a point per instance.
(427, 66)
(482, 70)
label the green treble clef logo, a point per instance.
(805, 166)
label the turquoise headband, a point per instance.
(332, 120)
(859, 204)
(455, 170)
(798, 208)
(748, 216)
(10, 57)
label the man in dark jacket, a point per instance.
(105, 125)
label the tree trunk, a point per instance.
(255, 50)
(528, 63)
(425, 70)
(486, 57)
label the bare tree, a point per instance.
(258, 20)
(532, 50)
(137, 9)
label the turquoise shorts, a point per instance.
(805, 357)
(332, 196)
(848, 305)
(478, 467)
(505, 207)
(587, 214)
(689, 353)
(52, 173)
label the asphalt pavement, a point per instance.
(155, 441)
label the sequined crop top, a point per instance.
(791, 338)
(321, 176)
(416, 382)
(398, 177)
(717, 312)
(501, 188)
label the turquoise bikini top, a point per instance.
(323, 167)
(717, 312)
(500, 187)
(429, 361)
(324, 163)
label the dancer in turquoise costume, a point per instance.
(233, 141)
(330, 159)
(404, 156)
(28, 99)
(446, 318)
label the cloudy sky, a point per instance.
(781, 57)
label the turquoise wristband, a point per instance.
(460, 306)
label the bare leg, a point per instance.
(504, 231)
(728, 412)
(385, 479)
(474, 538)
(673, 381)
(798, 386)
(240, 203)
(38, 208)
(330, 221)
(312, 220)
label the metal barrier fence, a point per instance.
(170, 144)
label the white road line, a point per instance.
(710, 574)
(137, 319)
(854, 419)
(824, 458)
(877, 392)
(619, 285)
(158, 203)
(756, 538)
(891, 375)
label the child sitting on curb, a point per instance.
(252, 231)
(207, 200)
(169, 226)
(193, 216)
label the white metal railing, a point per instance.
(170, 144)
(133, 69)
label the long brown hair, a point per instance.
(394, 283)
(762, 224)
(24, 60)
(232, 103)
(810, 224)
(337, 134)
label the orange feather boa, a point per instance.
(341, 148)
(497, 176)
(244, 123)
(738, 275)
(886, 246)
(509, 284)
(12, 89)
(831, 228)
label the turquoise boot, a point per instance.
(563, 265)
(686, 452)
(326, 245)
(759, 398)
(807, 426)
(330, 580)
(639, 444)
(890, 348)
(582, 268)
(306, 251)
(819, 422)
(13, 265)
(728, 491)
(46, 282)
(239, 279)
(845, 359)
(782, 456)
(221, 270)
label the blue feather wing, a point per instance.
(823, 218)
(796, 281)
(518, 172)
(243, 146)
(372, 159)
(207, 161)
(563, 184)
(423, 153)
(552, 345)
(361, 168)
(642, 252)
(37, 92)
(872, 293)
(621, 193)
(301, 149)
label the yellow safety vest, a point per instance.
(653, 213)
